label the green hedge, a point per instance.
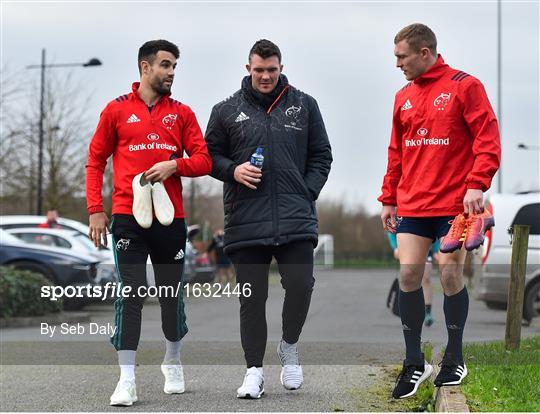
(20, 294)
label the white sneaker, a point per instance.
(163, 207)
(292, 376)
(142, 201)
(125, 393)
(174, 378)
(253, 385)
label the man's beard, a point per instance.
(160, 88)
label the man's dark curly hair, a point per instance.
(149, 50)
(265, 49)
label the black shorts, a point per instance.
(431, 227)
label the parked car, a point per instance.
(66, 239)
(21, 221)
(493, 277)
(197, 267)
(61, 267)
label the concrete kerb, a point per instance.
(447, 399)
(51, 319)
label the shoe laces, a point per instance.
(172, 370)
(473, 218)
(406, 373)
(455, 229)
(252, 376)
(125, 385)
(448, 365)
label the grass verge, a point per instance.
(379, 396)
(501, 380)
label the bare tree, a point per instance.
(64, 152)
(9, 95)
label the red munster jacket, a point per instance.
(137, 138)
(445, 140)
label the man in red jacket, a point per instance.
(146, 132)
(443, 153)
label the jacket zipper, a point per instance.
(275, 224)
(273, 194)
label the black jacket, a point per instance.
(297, 158)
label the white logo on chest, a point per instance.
(441, 101)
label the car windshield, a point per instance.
(84, 240)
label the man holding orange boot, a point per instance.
(443, 154)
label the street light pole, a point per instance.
(43, 66)
(39, 207)
(523, 146)
(499, 84)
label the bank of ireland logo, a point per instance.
(152, 136)
(422, 132)
(169, 120)
(441, 101)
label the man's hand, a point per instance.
(388, 218)
(248, 175)
(473, 202)
(98, 223)
(161, 171)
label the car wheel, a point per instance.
(496, 305)
(531, 306)
(36, 268)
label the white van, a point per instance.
(493, 277)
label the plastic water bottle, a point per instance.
(257, 158)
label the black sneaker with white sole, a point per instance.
(451, 373)
(410, 378)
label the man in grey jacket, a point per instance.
(270, 212)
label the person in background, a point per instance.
(52, 220)
(216, 253)
(426, 278)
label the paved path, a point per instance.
(348, 343)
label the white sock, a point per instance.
(126, 361)
(172, 351)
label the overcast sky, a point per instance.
(339, 52)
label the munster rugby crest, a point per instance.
(169, 120)
(441, 101)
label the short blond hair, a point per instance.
(418, 36)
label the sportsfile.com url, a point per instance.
(113, 290)
(108, 291)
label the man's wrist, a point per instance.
(474, 186)
(176, 166)
(95, 210)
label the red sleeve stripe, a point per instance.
(174, 101)
(460, 76)
(122, 98)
